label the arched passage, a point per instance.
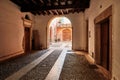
(59, 30)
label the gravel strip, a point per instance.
(9, 67)
(42, 69)
(76, 67)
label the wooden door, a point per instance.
(27, 39)
(67, 35)
(105, 44)
(36, 40)
(98, 44)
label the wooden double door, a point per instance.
(102, 41)
(105, 44)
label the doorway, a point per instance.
(104, 49)
(27, 45)
(59, 32)
(103, 39)
(102, 42)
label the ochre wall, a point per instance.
(11, 29)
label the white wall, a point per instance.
(91, 14)
(11, 29)
(79, 35)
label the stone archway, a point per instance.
(55, 30)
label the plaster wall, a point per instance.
(11, 29)
(97, 7)
(116, 40)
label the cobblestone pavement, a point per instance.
(9, 67)
(42, 69)
(76, 67)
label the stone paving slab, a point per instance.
(76, 67)
(42, 69)
(57, 67)
(9, 67)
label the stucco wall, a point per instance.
(116, 39)
(79, 34)
(11, 29)
(91, 14)
(96, 7)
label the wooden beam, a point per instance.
(56, 12)
(65, 11)
(51, 12)
(41, 1)
(54, 7)
(48, 13)
(45, 12)
(27, 9)
(69, 2)
(59, 12)
(62, 12)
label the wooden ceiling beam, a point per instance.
(38, 2)
(43, 13)
(41, 1)
(54, 7)
(56, 12)
(32, 3)
(67, 11)
(48, 13)
(62, 12)
(59, 12)
(51, 12)
(27, 9)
